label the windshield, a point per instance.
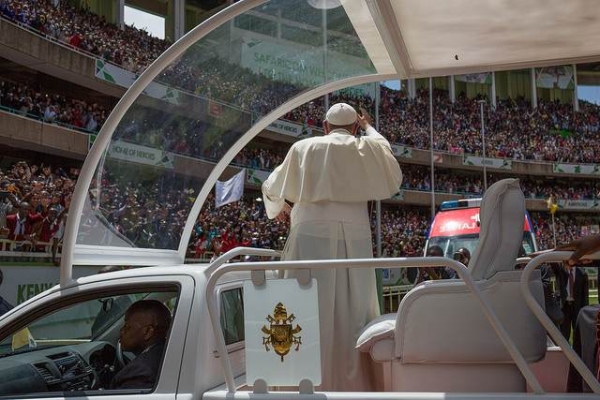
(452, 243)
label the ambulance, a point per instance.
(456, 225)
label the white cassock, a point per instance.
(330, 179)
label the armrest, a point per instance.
(380, 328)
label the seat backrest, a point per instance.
(441, 322)
(501, 216)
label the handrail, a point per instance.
(240, 251)
(463, 272)
(541, 315)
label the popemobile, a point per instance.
(238, 330)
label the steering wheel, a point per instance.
(104, 362)
(123, 356)
(120, 357)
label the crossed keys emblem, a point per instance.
(281, 335)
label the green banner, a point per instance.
(140, 154)
(498, 163)
(402, 151)
(583, 169)
(119, 76)
(578, 204)
(290, 129)
(256, 176)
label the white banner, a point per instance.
(497, 163)
(483, 77)
(119, 76)
(257, 176)
(583, 169)
(290, 129)
(140, 154)
(401, 151)
(231, 190)
(560, 77)
(578, 204)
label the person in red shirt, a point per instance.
(48, 227)
(21, 226)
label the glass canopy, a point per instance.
(181, 123)
(186, 122)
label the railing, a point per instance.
(42, 120)
(547, 323)
(257, 267)
(392, 296)
(10, 249)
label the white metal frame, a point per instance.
(463, 273)
(241, 251)
(541, 315)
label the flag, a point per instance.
(231, 190)
(23, 338)
(552, 206)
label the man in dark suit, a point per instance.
(144, 334)
(573, 285)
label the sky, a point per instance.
(154, 24)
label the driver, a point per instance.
(144, 334)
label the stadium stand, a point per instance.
(550, 133)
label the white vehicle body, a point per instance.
(400, 40)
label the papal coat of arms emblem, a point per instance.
(281, 335)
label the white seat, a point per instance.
(440, 340)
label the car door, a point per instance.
(65, 343)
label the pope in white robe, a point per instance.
(330, 179)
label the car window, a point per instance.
(77, 347)
(232, 315)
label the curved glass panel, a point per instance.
(169, 141)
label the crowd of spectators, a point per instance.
(154, 216)
(567, 227)
(469, 184)
(34, 201)
(551, 132)
(79, 28)
(182, 138)
(33, 101)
